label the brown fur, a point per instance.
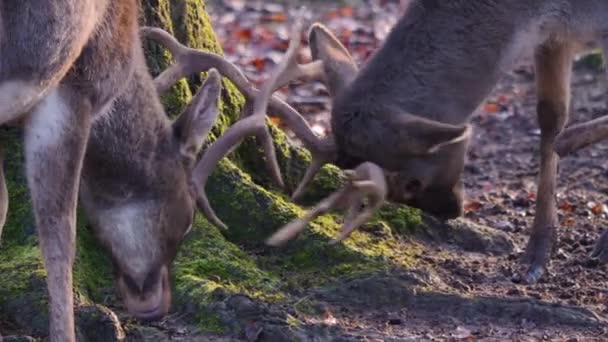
(436, 67)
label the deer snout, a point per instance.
(148, 299)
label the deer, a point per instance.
(400, 123)
(73, 74)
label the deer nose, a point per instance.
(153, 314)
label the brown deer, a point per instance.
(405, 113)
(73, 74)
(47, 82)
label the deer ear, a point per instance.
(340, 68)
(421, 136)
(196, 121)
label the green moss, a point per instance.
(17, 266)
(402, 219)
(93, 276)
(593, 60)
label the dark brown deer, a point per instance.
(406, 112)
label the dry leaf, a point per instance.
(329, 319)
(491, 108)
(567, 207)
(473, 206)
(569, 222)
(259, 63)
(347, 11)
(462, 333)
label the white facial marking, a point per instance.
(130, 231)
(16, 98)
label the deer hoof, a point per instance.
(538, 254)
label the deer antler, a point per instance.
(189, 61)
(366, 182)
(581, 135)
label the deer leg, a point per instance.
(600, 250)
(553, 71)
(56, 133)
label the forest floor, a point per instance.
(461, 286)
(473, 294)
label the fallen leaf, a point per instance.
(473, 206)
(259, 63)
(347, 11)
(569, 222)
(462, 333)
(491, 108)
(596, 208)
(567, 207)
(329, 319)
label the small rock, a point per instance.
(504, 225)
(98, 323)
(395, 320)
(515, 292)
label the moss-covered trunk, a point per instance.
(211, 264)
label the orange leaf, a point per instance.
(569, 222)
(244, 35)
(259, 63)
(567, 207)
(347, 11)
(473, 206)
(275, 120)
(597, 209)
(276, 17)
(491, 108)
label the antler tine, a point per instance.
(292, 229)
(581, 135)
(323, 151)
(367, 181)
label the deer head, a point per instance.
(137, 189)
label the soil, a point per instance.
(462, 287)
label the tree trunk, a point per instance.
(213, 265)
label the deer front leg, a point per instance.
(600, 250)
(553, 71)
(55, 139)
